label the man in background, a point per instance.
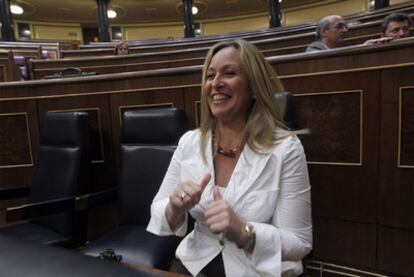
(330, 31)
(394, 26)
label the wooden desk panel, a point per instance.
(341, 111)
(397, 163)
(395, 251)
(351, 243)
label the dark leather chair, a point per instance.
(290, 117)
(22, 63)
(148, 140)
(61, 171)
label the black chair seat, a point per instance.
(35, 233)
(134, 243)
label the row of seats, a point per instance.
(61, 176)
(61, 173)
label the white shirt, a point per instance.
(271, 191)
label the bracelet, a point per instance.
(251, 236)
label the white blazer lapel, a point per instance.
(248, 169)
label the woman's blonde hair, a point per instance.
(264, 125)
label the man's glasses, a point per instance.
(340, 26)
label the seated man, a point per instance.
(394, 26)
(330, 31)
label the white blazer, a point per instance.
(271, 191)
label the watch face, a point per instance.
(251, 234)
(250, 230)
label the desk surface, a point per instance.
(22, 258)
(158, 272)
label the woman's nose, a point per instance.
(217, 82)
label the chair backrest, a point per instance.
(21, 62)
(290, 116)
(62, 166)
(148, 140)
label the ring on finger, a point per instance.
(183, 195)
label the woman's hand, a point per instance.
(221, 218)
(185, 196)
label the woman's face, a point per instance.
(227, 87)
(122, 50)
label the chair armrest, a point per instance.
(38, 209)
(60, 205)
(95, 199)
(13, 193)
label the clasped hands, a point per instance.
(219, 216)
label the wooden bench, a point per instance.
(360, 19)
(158, 60)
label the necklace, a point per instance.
(231, 153)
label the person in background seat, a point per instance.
(393, 27)
(330, 32)
(122, 48)
(242, 176)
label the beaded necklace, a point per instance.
(230, 153)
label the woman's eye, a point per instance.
(210, 76)
(230, 73)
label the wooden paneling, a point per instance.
(335, 122)
(192, 105)
(19, 142)
(395, 250)
(397, 186)
(349, 242)
(406, 128)
(342, 146)
(15, 140)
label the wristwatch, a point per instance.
(251, 234)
